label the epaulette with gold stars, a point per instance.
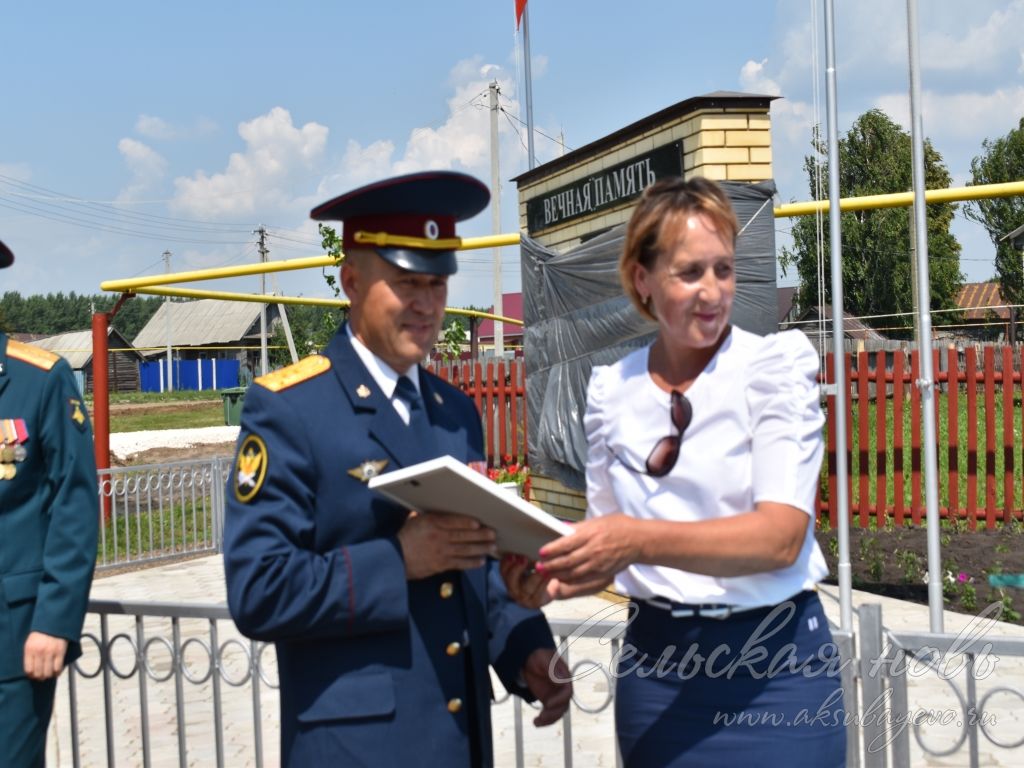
(40, 358)
(295, 373)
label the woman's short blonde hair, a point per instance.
(661, 207)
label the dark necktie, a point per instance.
(419, 424)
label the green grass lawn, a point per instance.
(195, 415)
(185, 528)
(160, 398)
(191, 409)
(979, 458)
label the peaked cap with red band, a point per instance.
(423, 206)
(6, 257)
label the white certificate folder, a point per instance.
(447, 485)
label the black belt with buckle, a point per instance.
(718, 611)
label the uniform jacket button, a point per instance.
(447, 589)
(453, 649)
(455, 705)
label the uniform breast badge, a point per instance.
(368, 469)
(13, 435)
(250, 468)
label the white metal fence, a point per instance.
(154, 512)
(176, 684)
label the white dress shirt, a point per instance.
(755, 435)
(384, 375)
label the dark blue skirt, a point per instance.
(759, 688)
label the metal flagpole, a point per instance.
(842, 390)
(924, 332)
(528, 89)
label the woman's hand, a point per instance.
(586, 561)
(524, 584)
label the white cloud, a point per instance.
(975, 47)
(278, 155)
(18, 171)
(461, 142)
(157, 128)
(146, 165)
(754, 78)
(996, 112)
(154, 127)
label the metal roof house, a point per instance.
(76, 348)
(206, 328)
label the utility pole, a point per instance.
(264, 362)
(167, 315)
(499, 328)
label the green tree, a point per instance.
(1001, 160)
(875, 158)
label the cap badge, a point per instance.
(430, 230)
(368, 469)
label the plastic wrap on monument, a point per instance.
(576, 316)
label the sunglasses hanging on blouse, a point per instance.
(665, 453)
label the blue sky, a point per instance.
(184, 126)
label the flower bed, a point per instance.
(894, 562)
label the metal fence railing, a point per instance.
(945, 694)
(176, 684)
(153, 512)
(170, 684)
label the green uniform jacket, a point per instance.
(49, 509)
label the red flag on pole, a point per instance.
(520, 7)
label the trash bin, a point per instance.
(233, 398)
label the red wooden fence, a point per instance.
(979, 414)
(884, 382)
(499, 391)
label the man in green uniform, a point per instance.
(49, 518)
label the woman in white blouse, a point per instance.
(704, 456)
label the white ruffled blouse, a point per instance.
(756, 435)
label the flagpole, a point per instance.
(926, 382)
(528, 88)
(841, 386)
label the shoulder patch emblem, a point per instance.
(40, 358)
(296, 373)
(77, 412)
(250, 468)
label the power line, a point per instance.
(516, 129)
(108, 209)
(98, 226)
(559, 142)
